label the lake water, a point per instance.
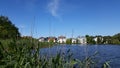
(105, 52)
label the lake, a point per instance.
(105, 52)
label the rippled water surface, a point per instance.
(105, 52)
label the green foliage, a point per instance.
(90, 39)
(69, 41)
(17, 54)
(45, 44)
(117, 36)
(116, 39)
(104, 39)
(99, 39)
(7, 29)
(107, 40)
(51, 41)
(106, 64)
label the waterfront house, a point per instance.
(95, 39)
(61, 39)
(74, 40)
(51, 39)
(98, 39)
(82, 39)
(41, 39)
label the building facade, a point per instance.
(82, 40)
(41, 39)
(74, 41)
(61, 39)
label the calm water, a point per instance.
(105, 52)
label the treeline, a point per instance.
(115, 39)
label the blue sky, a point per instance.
(61, 17)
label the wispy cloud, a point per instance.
(53, 7)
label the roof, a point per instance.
(61, 37)
(41, 38)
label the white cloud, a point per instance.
(53, 7)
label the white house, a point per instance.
(47, 39)
(74, 40)
(53, 39)
(61, 39)
(41, 39)
(82, 40)
(95, 39)
(100, 38)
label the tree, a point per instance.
(99, 39)
(7, 29)
(51, 40)
(116, 39)
(117, 36)
(77, 41)
(107, 39)
(90, 39)
(69, 41)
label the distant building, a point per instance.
(41, 39)
(61, 39)
(47, 39)
(95, 39)
(98, 39)
(74, 40)
(82, 40)
(52, 39)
